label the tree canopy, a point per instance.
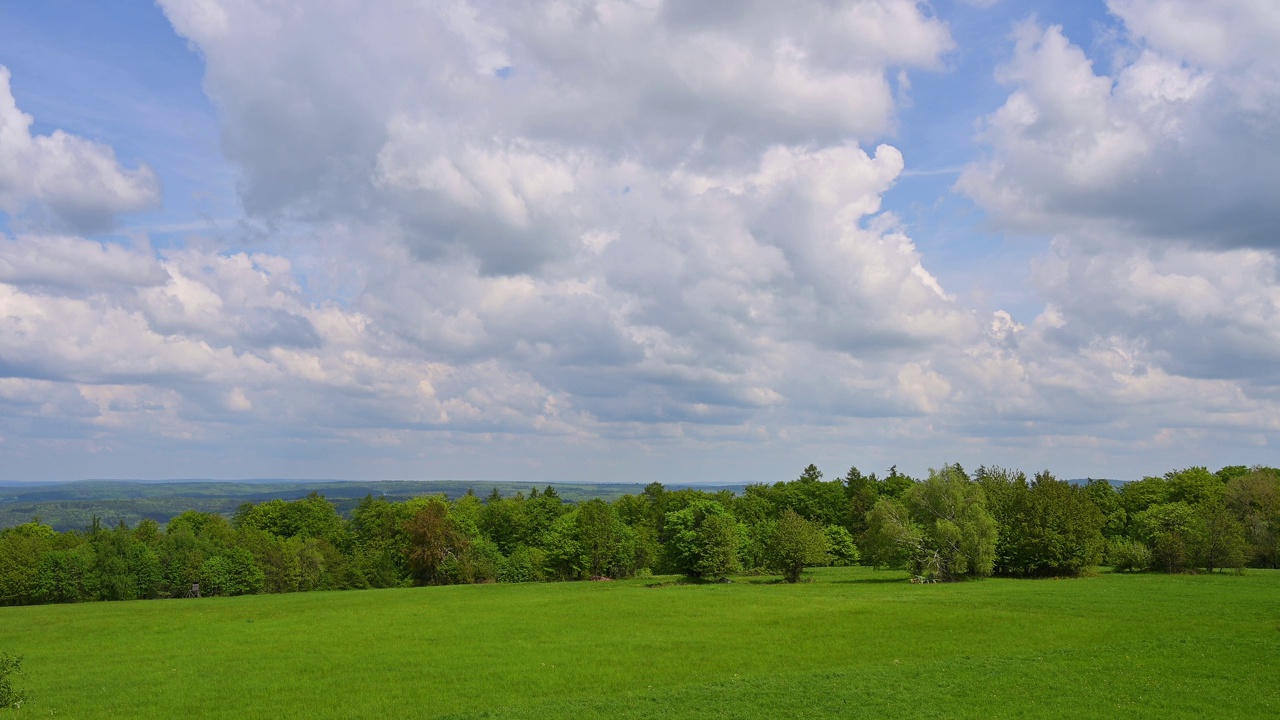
(948, 526)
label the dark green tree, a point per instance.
(564, 557)
(1172, 531)
(862, 494)
(895, 484)
(379, 556)
(811, 473)
(1137, 496)
(232, 572)
(702, 540)
(608, 546)
(756, 546)
(113, 550)
(308, 517)
(892, 539)
(1254, 497)
(1047, 527)
(1195, 486)
(1222, 541)
(67, 576)
(719, 538)
(1103, 495)
(523, 564)
(504, 521)
(434, 539)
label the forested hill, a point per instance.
(74, 505)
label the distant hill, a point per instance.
(1117, 484)
(73, 505)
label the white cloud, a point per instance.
(1156, 183)
(1180, 143)
(1198, 313)
(310, 110)
(1221, 35)
(655, 222)
(613, 229)
(73, 263)
(78, 181)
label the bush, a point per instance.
(843, 551)
(1129, 555)
(10, 698)
(524, 564)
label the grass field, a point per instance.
(853, 643)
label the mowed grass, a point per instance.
(852, 643)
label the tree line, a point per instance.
(946, 526)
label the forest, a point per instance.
(948, 526)
(74, 505)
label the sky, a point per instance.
(636, 240)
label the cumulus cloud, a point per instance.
(1181, 142)
(483, 128)
(612, 225)
(212, 344)
(577, 219)
(1155, 182)
(629, 202)
(77, 180)
(1198, 313)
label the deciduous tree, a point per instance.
(702, 540)
(941, 527)
(434, 538)
(797, 544)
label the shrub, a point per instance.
(843, 550)
(1129, 555)
(10, 698)
(524, 564)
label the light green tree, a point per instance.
(797, 544)
(940, 528)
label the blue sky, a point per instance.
(617, 241)
(118, 74)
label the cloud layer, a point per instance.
(611, 229)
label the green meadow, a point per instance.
(852, 643)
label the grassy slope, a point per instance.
(854, 643)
